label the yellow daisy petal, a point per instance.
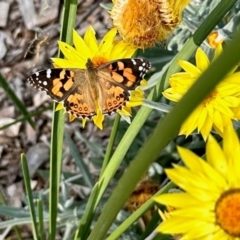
(192, 70)
(206, 128)
(144, 83)
(222, 108)
(204, 213)
(71, 117)
(202, 61)
(107, 42)
(128, 50)
(98, 120)
(186, 155)
(59, 107)
(122, 49)
(125, 111)
(216, 158)
(209, 206)
(197, 187)
(81, 46)
(202, 117)
(194, 233)
(230, 140)
(233, 79)
(169, 94)
(91, 41)
(84, 121)
(176, 200)
(190, 123)
(136, 99)
(217, 119)
(232, 102)
(64, 63)
(70, 53)
(178, 225)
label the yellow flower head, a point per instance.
(209, 207)
(215, 38)
(215, 111)
(88, 53)
(146, 22)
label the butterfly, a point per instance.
(108, 85)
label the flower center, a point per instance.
(98, 60)
(145, 22)
(211, 96)
(227, 211)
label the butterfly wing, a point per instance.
(80, 103)
(69, 86)
(57, 82)
(80, 89)
(117, 79)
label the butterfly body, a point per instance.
(81, 90)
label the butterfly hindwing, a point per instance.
(55, 82)
(79, 104)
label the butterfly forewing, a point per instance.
(120, 77)
(57, 82)
(129, 72)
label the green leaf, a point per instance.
(79, 162)
(85, 222)
(27, 181)
(21, 107)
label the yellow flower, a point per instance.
(215, 38)
(216, 110)
(209, 207)
(146, 22)
(99, 53)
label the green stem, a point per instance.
(68, 23)
(110, 143)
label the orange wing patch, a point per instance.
(117, 98)
(127, 72)
(59, 85)
(117, 77)
(78, 106)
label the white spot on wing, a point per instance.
(134, 62)
(49, 71)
